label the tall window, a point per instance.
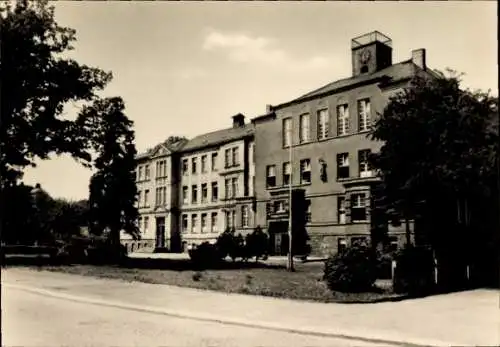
(342, 119)
(287, 173)
(185, 195)
(227, 217)
(236, 157)
(203, 163)
(271, 176)
(146, 224)
(139, 224)
(364, 114)
(194, 223)
(233, 218)
(269, 210)
(287, 132)
(193, 165)
(184, 222)
(215, 192)
(213, 222)
(305, 171)
(364, 164)
(214, 161)
(147, 172)
(194, 194)
(227, 185)
(139, 175)
(304, 127)
(161, 168)
(308, 211)
(227, 158)
(204, 193)
(204, 223)
(244, 216)
(341, 210)
(358, 207)
(185, 166)
(234, 185)
(146, 198)
(342, 165)
(158, 198)
(323, 124)
(341, 245)
(139, 199)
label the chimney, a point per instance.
(418, 58)
(269, 108)
(238, 120)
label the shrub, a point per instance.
(353, 270)
(257, 244)
(205, 255)
(414, 272)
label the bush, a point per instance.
(414, 272)
(205, 255)
(353, 270)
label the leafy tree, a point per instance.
(438, 162)
(36, 84)
(113, 191)
(17, 211)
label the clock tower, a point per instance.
(370, 53)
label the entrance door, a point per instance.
(160, 232)
(278, 232)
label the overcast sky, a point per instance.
(184, 68)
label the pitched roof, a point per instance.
(171, 147)
(395, 72)
(218, 137)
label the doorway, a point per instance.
(278, 238)
(160, 232)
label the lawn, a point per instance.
(246, 278)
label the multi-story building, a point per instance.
(217, 183)
(318, 142)
(157, 186)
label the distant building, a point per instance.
(216, 187)
(327, 131)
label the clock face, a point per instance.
(365, 56)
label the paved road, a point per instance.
(30, 319)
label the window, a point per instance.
(233, 218)
(203, 222)
(358, 240)
(185, 195)
(139, 178)
(342, 120)
(271, 176)
(227, 158)
(215, 192)
(341, 245)
(269, 210)
(364, 164)
(184, 222)
(161, 168)
(147, 172)
(279, 206)
(227, 188)
(364, 114)
(323, 124)
(305, 171)
(194, 194)
(341, 210)
(214, 161)
(203, 163)
(236, 158)
(287, 132)
(146, 198)
(213, 221)
(204, 192)
(139, 223)
(244, 216)
(358, 207)
(234, 185)
(227, 217)
(287, 173)
(308, 211)
(304, 126)
(158, 197)
(146, 224)
(393, 244)
(139, 199)
(194, 222)
(193, 165)
(342, 165)
(185, 166)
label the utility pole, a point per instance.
(290, 266)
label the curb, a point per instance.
(310, 331)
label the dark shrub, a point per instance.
(226, 243)
(205, 255)
(353, 270)
(257, 244)
(414, 272)
(384, 265)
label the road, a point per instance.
(30, 319)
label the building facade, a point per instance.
(217, 183)
(318, 143)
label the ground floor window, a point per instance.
(358, 207)
(341, 244)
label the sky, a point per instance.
(184, 68)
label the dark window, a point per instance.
(342, 165)
(305, 171)
(271, 176)
(358, 207)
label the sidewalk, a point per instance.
(467, 319)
